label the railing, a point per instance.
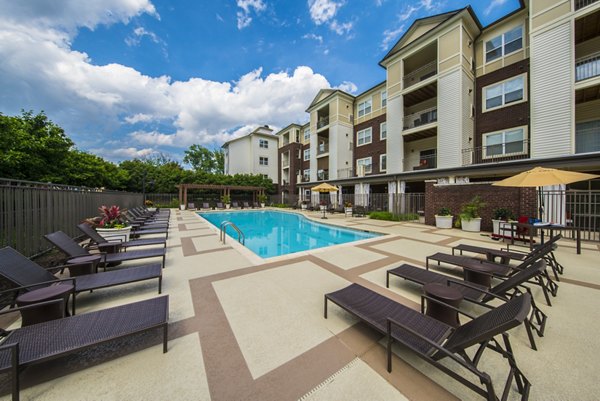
(285, 163)
(587, 139)
(583, 3)
(305, 178)
(587, 67)
(420, 118)
(323, 148)
(322, 175)
(28, 210)
(395, 203)
(420, 74)
(345, 173)
(223, 232)
(425, 162)
(323, 121)
(578, 208)
(486, 154)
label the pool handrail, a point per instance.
(223, 233)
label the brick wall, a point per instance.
(521, 201)
(376, 148)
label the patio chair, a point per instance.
(56, 338)
(67, 245)
(220, 205)
(206, 205)
(505, 290)
(246, 205)
(359, 211)
(101, 242)
(433, 340)
(191, 206)
(235, 205)
(491, 254)
(26, 275)
(256, 205)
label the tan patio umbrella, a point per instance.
(324, 187)
(541, 177)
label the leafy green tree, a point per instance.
(219, 157)
(203, 159)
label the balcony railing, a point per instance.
(305, 178)
(285, 163)
(420, 118)
(322, 175)
(583, 3)
(323, 121)
(323, 148)
(345, 173)
(495, 153)
(420, 74)
(587, 67)
(425, 163)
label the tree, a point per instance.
(203, 159)
(219, 157)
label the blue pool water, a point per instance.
(272, 233)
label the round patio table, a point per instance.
(447, 295)
(44, 313)
(479, 275)
(93, 260)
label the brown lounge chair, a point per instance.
(220, 205)
(53, 339)
(66, 244)
(103, 243)
(26, 275)
(433, 340)
(504, 290)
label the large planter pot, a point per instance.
(115, 234)
(304, 206)
(151, 209)
(496, 226)
(473, 225)
(227, 205)
(443, 221)
(181, 207)
(348, 211)
(323, 207)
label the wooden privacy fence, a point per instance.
(28, 210)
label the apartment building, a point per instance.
(290, 155)
(254, 153)
(462, 102)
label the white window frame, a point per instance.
(263, 160)
(363, 162)
(306, 154)
(306, 173)
(503, 132)
(503, 44)
(502, 83)
(381, 158)
(363, 132)
(382, 130)
(307, 134)
(264, 142)
(367, 104)
(383, 98)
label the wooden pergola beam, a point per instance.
(225, 190)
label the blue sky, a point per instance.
(132, 78)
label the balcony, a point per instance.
(345, 173)
(496, 153)
(323, 122)
(422, 117)
(579, 4)
(322, 175)
(587, 67)
(305, 178)
(426, 162)
(587, 137)
(323, 148)
(285, 164)
(420, 74)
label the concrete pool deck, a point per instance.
(244, 328)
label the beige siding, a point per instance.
(550, 15)
(449, 44)
(538, 6)
(394, 78)
(419, 31)
(333, 111)
(588, 47)
(588, 111)
(421, 106)
(345, 111)
(552, 94)
(448, 64)
(449, 120)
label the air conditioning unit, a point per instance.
(360, 170)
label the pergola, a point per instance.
(225, 190)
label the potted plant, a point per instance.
(262, 198)
(444, 218)
(304, 205)
(500, 215)
(226, 199)
(149, 205)
(469, 219)
(348, 208)
(111, 224)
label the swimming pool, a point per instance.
(272, 233)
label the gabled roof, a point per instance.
(434, 21)
(281, 131)
(326, 93)
(260, 131)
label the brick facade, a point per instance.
(295, 164)
(376, 148)
(521, 201)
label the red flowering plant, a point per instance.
(111, 217)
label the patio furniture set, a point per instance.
(49, 329)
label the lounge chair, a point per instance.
(56, 338)
(206, 205)
(433, 340)
(246, 205)
(26, 275)
(491, 254)
(256, 205)
(67, 245)
(191, 206)
(220, 205)
(102, 242)
(481, 295)
(235, 205)
(359, 211)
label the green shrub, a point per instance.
(173, 204)
(393, 217)
(281, 205)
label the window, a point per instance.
(306, 154)
(504, 44)
(364, 162)
(263, 143)
(504, 93)
(383, 131)
(363, 137)
(263, 161)
(364, 108)
(299, 154)
(306, 175)
(587, 137)
(504, 142)
(382, 162)
(383, 98)
(297, 136)
(307, 134)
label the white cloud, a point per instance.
(321, 11)
(348, 86)
(247, 6)
(318, 38)
(493, 4)
(139, 33)
(138, 118)
(408, 12)
(342, 28)
(390, 36)
(116, 154)
(219, 18)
